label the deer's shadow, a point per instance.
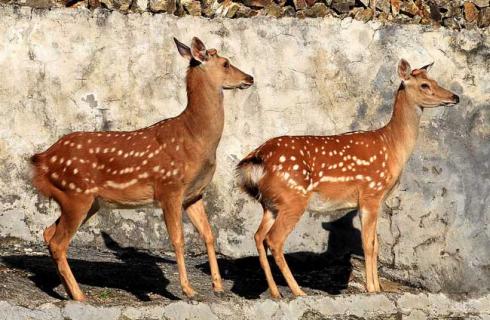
(329, 271)
(136, 272)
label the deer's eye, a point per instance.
(424, 86)
(226, 64)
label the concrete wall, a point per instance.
(64, 70)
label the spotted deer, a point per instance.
(168, 164)
(351, 170)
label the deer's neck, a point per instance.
(402, 130)
(204, 115)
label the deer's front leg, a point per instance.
(172, 214)
(369, 216)
(199, 219)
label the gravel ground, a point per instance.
(128, 276)
(128, 283)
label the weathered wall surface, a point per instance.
(66, 70)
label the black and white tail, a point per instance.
(249, 172)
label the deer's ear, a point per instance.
(184, 50)
(427, 67)
(198, 50)
(404, 69)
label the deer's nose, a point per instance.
(249, 79)
(456, 98)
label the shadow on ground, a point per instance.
(141, 273)
(329, 271)
(134, 271)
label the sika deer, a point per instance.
(169, 163)
(351, 170)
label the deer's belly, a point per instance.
(323, 204)
(139, 195)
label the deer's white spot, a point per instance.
(123, 185)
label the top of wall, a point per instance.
(454, 14)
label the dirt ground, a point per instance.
(127, 276)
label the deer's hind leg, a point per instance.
(74, 209)
(264, 227)
(49, 231)
(289, 213)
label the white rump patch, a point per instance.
(250, 174)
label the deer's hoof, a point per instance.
(301, 293)
(80, 297)
(189, 292)
(219, 293)
(275, 295)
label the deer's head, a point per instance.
(220, 70)
(422, 90)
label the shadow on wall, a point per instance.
(329, 271)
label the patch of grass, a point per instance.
(105, 294)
